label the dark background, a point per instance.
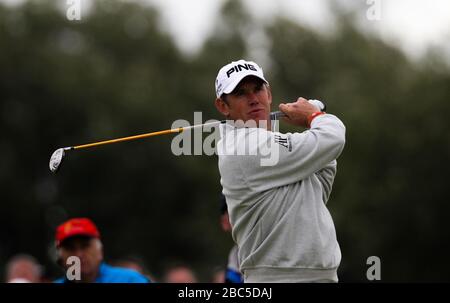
(117, 73)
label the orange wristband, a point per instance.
(313, 115)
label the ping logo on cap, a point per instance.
(239, 67)
(231, 74)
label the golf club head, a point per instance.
(56, 159)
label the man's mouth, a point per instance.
(256, 111)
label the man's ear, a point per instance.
(269, 93)
(59, 258)
(222, 107)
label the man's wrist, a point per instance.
(312, 116)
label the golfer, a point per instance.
(278, 212)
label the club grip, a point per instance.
(277, 115)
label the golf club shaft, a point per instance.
(273, 116)
(142, 136)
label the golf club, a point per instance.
(58, 155)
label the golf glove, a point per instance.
(319, 104)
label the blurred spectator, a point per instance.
(232, 272)
(80, 237)
(23, 268)
(130, 262)
(218, 275)
(179, 274)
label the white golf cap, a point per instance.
(231, 74)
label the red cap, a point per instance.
(76, 227)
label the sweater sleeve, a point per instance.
(326, 177)
(281, 159)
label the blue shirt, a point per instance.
(110, 274)
(232, 276)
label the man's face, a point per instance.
(24, 269)
(250, 100)
(88, 249)
(180, 274)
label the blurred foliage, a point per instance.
(116, 73)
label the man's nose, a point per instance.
(79, 252)
(252, 98)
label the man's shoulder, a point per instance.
(236, 136)
(111, 274)
(60, 280)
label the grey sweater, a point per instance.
(278, 213)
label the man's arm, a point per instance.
(297, 155)
(326, 178)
